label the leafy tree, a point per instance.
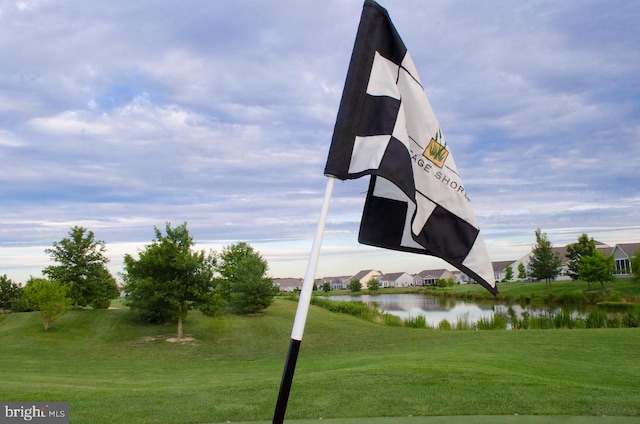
(544, 263)
(508, 276)
(596, 268)
(585, 246)
(246, 286)
(169, 279)
(226, 265)
(522, 271)
(48, 297)
(373, 284)
(82, 268)
(445, 282)
(326, 287)
(9, 292)
(635, 265)
(251, 290)
(355, 285)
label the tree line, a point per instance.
(167, 279)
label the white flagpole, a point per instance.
(303, 308)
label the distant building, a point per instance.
(500, 270)
(623, 254)
(430, 276)
(366, 275)
(396, 279)
(288, 284)
(336, 283)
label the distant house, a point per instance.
(288, 284)
(365, 276)
(460, 277)
(396, 279)
(623, 254)
(430, 276)
(336, 283)
(500, 270)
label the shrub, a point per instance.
(615, 306)
(541, 323)
(448, 282)
(613, 296)
(355, 308)
(391, 320)
(496, 322)
(418, 322)
(579, 323)
(596, 319)
(463, 322)
(513, 317)
(632, 318)
(572, 298)
(444, 325)
(564, 319)
(615, 321)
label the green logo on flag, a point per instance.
(436, 152)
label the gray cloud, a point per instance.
(123, 116)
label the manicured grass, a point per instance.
(113, 369)
(473, 419)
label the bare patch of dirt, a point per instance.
(183, 340)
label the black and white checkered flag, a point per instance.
(386, 128)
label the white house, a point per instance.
(396, 279)
(623, 254)
(500, 270)
(288, 284)
(366, 275)
(336, 283)
(429, 277)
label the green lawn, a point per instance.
(112, 369)
(621, 286)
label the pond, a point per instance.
(436, 309)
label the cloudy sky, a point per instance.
(124, 115)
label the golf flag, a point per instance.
(386, 128)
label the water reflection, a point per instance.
(435, 309)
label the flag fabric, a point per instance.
(385, 128)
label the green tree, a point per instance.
(9, 293)
(48, 297)
(326, 287)
(635, 264)
(544, 263)
(169, 279)
(445, 282)
(82, 268)
(508, 273)
(355, 285)
(226, 265)
(373, 284)
(585, 246)
(244, 278)
(597, 268)
(522, 271)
